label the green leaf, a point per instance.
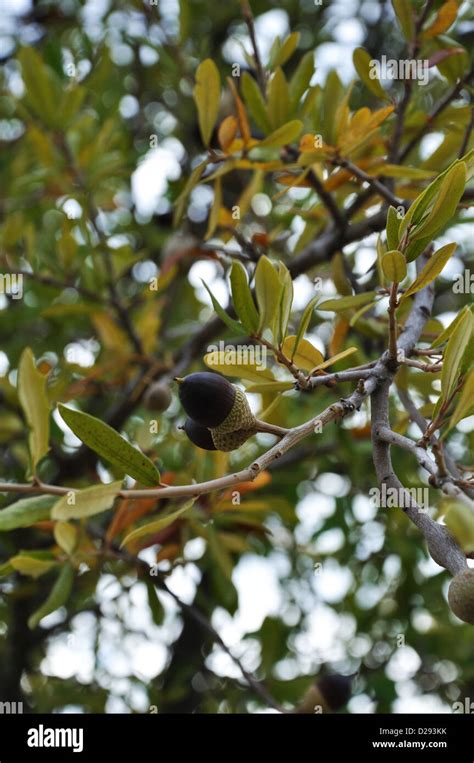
(449, 329)
(207, 93)
(255, 103)
(286, 298)
(405, 15)
(39, 85)
(364, 67)
(306, 356)
(225, 318)
(58, 596)
(108, 444)
(268, 289)
(415, 248)
(26, 512)
(394, 266)
(156, 607)
(445, 204)
(283, 136)
(286, 50)
(459, 519)
(347, 303)
(420, 205)
(242, 298)
(85, 503)
(393, 228)
(304, 323)
(33, 563)
(278, 100)
(35, 404)
(454, 352)
(433, 268)
(192, 181)
(157, 524)
(465, 404)
(333, 94)
(300, 80)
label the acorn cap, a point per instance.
(239, 417)
(461, 595)
(228, 441)
(206, 397)
(200, 436)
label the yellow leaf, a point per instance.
(111, 336)
(306, 355)
(460, 521)
(87, 502)
(227, 132)
(284, 135)
(35, 404)
(241, 114)
(334, 359)
(65, 535)
(157, 524)
(206, 94)
(230, 363)
(446, 16)
(28, 564)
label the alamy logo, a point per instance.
(12, 284)
(400, 498)
(11, 708)
(45, 737)
(409, 68)
(242, 354)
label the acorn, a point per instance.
(461, 595)
(199, 435)
(157, 397)
(215, 403)
(327, 695)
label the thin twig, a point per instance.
(248, 16)
(373, 182)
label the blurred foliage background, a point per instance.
(98, 135)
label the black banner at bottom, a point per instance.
(74, 737)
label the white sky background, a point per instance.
(327, 635)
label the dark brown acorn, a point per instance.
(199, 435)
(213, 402)
(207, 398)
(157, 397)
(336, 690)
(326, 695)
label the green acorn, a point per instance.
(213, 402)
(461, 595)
(157, 397)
